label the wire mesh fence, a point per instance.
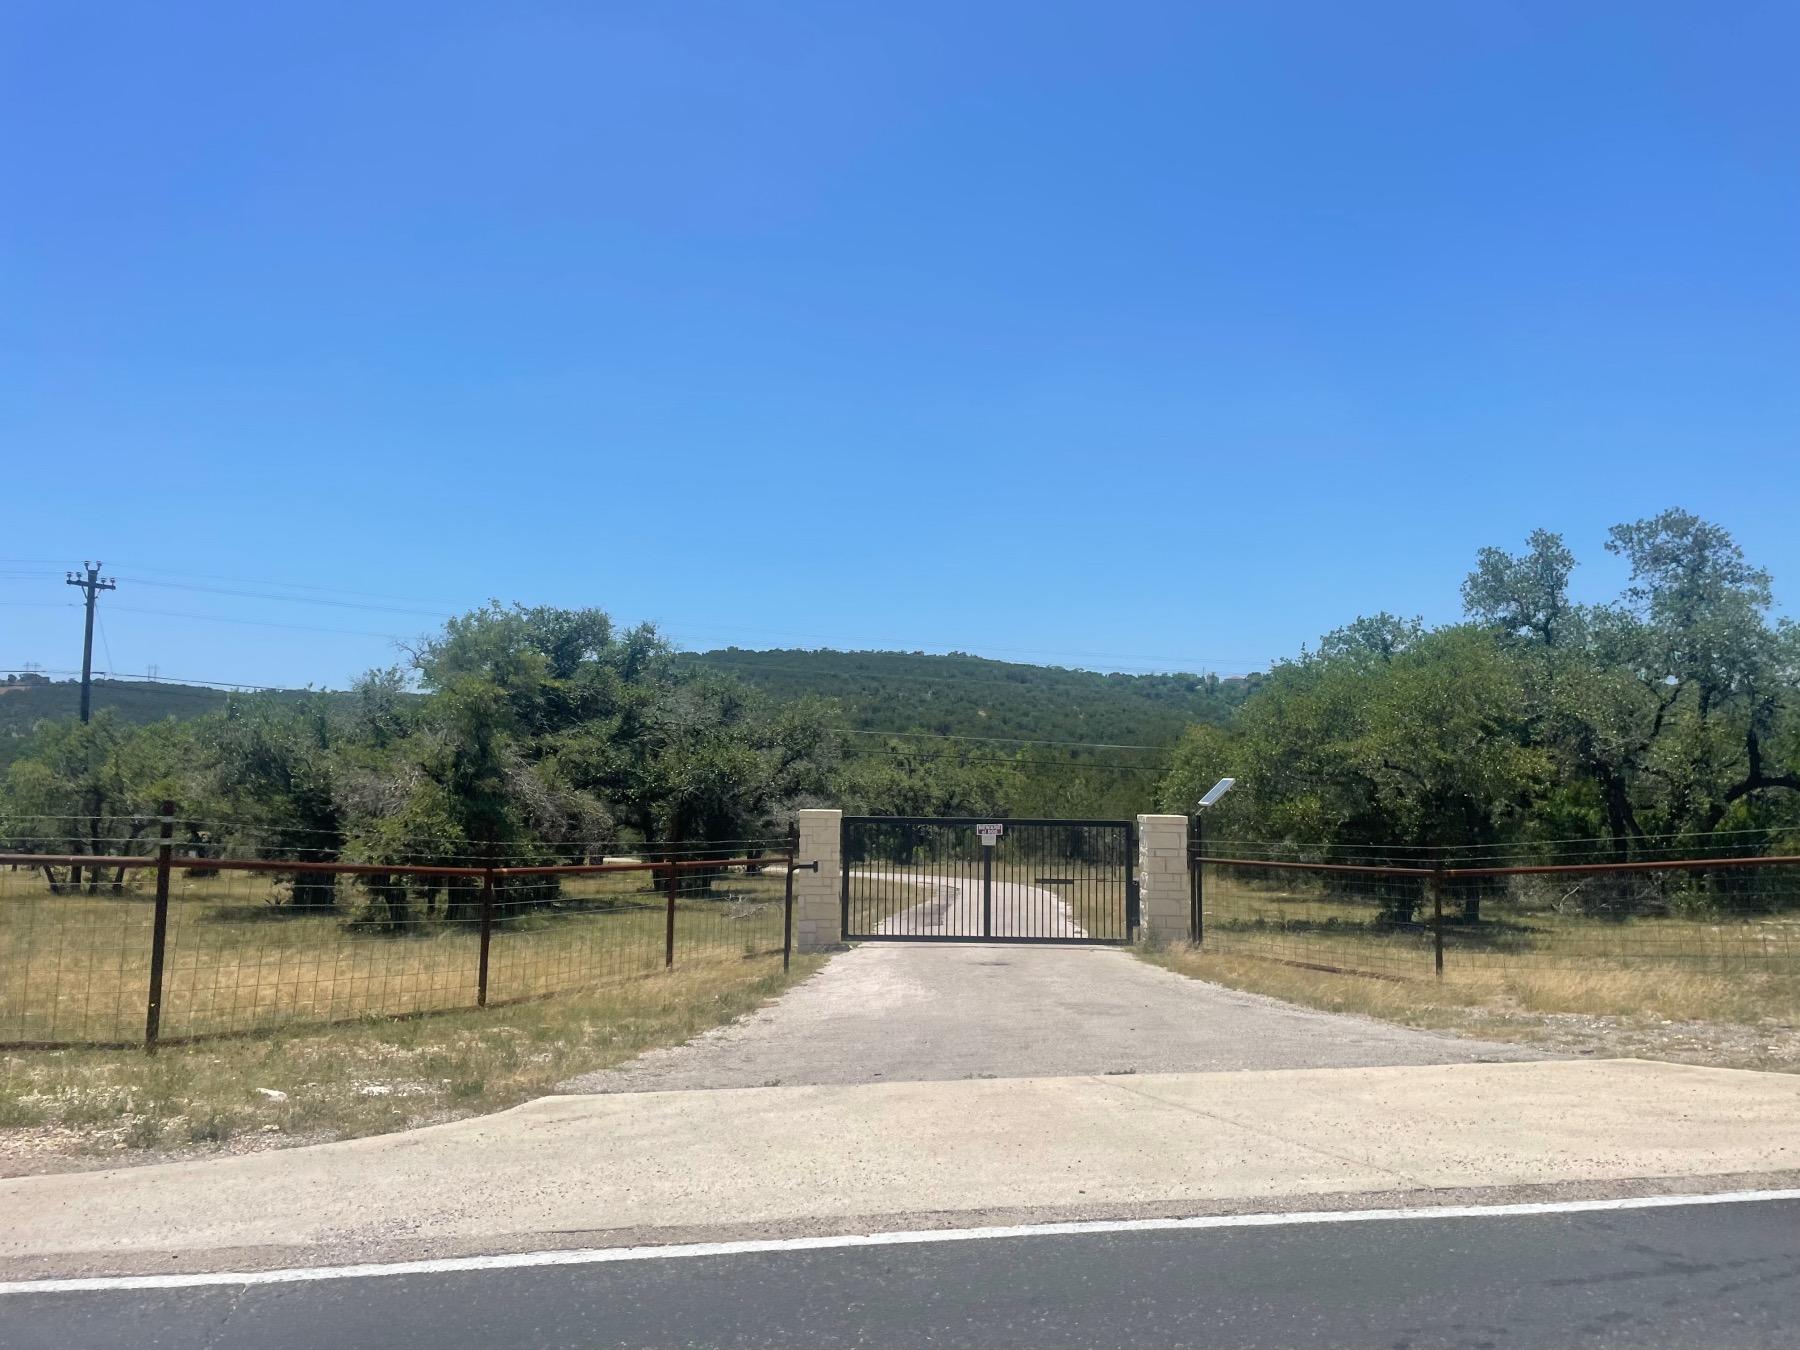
(1718, 903)
(119, 949)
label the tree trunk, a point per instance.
(462, 901)
(315, 891)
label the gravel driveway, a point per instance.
(899, 1012)
(952, 908)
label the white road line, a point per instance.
(602, 1255)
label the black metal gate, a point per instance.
(938, 879)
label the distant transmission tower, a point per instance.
(91, 586)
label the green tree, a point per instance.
(1524, 595)
(94, 789)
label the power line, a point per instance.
(258, 623)
(105, 645)
(120, 677)
(290, 599)
(286, 585)
(1166, 665)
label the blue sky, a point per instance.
(1130, 336)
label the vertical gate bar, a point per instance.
(1019, 896)
(1045, 916)
(901, 891)
(1030, 897)
(987, 890)
(1071, 914)
(159, 927)
(1081, 868)
(673, 884)
(1099, 871)
(955, 866)
(1065, 901)
(1083, 850)
(971, 867)
(911, 850)
(1093, 849)
(1044, 921)
(1072, 845)
(1093, 843)
(1014, 914)
(912, 863)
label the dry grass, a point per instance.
(1737, 1019)
(1534, 925)
(76, 968)
(93, 1108)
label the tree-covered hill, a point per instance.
(961, 695)
(26, 702)
(917, 733)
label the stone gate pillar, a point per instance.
(1163, 878)
(818, 912)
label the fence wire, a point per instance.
(1501, 909)
(253, 945)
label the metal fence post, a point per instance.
(1197, 880)
(673, 884)
(487, 935)
(787, 899)
(159, 928)
(1437, 915)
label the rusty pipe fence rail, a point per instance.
(1436, 911)
(238, 946)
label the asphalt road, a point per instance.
(1714, 1276)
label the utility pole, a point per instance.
(91, 586)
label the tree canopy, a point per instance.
(1671, 709)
